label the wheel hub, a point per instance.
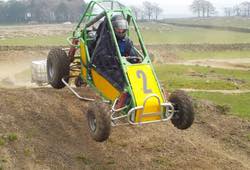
(92, 123)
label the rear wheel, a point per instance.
(183, 105)
(99, 122)
(58, 67)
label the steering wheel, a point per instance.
(134, 59)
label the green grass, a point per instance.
(35, 41)
(197, 77)
(241, 22)
(2, 161)
(2, 141)
(12, 137)
(27, 152)
(84, 159)
(153, 33)
(238, 103)
(190, 55)
(161, 34)
(248, 136)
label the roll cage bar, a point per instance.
(107, 12)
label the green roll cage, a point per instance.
(89, 18)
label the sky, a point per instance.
(180, 8)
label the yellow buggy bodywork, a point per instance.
(144, 83)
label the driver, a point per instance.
(126, 46)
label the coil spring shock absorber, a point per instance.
(73, 49)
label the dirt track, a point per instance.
(15, 64)
(15, 67)
(52, 134)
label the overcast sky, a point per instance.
(180, 8)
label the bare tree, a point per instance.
(195, 7)
(245, 8)
(136, 11)
(228, 12)
(236, 10)
(143, 15)
(157, 10)
(202, 8)
(210, 9)
(148, 9)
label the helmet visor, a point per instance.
(120, 24)
(118, 30)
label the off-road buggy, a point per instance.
(130, 91)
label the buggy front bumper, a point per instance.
(165, 114)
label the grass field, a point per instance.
(189, 55)
(197, 77)
(162, 34)
(35, 41)
(205, 78)
(237, 103)
(240, 22)
(155, 33)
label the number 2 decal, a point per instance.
(141, 74)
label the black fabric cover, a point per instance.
(104, 58)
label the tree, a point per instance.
(196, 7)
(62, 12)
(236, 10)
(2, 12)
(76, 9)
(136, 11)
(210, 9)
(15, 11)
(148, 9)
(202, 8)
(228, 12)
(41, 10)
(157, 10)
(245, 8)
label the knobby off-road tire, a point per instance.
(184, 115)
(58, 67)
(99, 122)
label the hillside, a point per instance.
(51, 133)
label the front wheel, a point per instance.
(184, 111)
(99, 122)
